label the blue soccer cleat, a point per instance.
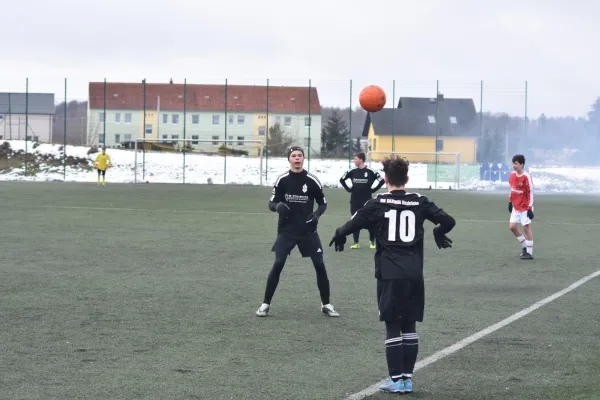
(408, 385)
(392, 387)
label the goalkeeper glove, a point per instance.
(510, 206)
(314, 218)
(283, 209)
(339, 240)
(441, 240)
(530, 214)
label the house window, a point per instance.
(306, 142)
(175, 118)
(165, 136)
(101, 138)
(216, 119)
(278, 120)
(1, 117)
(148, 129)
(431, 119)
(230, 120)
(239, 142)
(127, 118)
(288, 121)
(127, 137)
(306, 121)
(195, 119)
(439, 145)
(117, 138)
(230, 138)
(194, 139)
(165, 118)
(215, 140)
(261, 131)
(241, 119)
(101, 117)
(374, 144)
(117, 117)
(453, 120)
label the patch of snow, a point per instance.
(169, 168)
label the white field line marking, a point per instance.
(476, 336)
(249, 213)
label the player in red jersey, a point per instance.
(520, 205)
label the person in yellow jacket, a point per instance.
(102, 163)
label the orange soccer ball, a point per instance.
(372, 98)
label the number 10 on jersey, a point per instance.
(402, 226)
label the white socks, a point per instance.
(526, 244)
(529, 246)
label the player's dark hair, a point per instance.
(396, 170)
(520, 158)
(361, 155)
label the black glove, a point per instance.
(339, 240)
(509, 207)
(442, 241)
(530, 214)
(282, 208)
(314, 218)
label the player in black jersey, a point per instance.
(397, 217)
(362, 178)
(294, 195)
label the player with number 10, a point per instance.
(397, 219)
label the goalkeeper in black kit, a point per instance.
(397, 219)
(294, 195)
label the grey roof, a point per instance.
(39, 103)
(411, 118)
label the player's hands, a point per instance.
(510, 206)
(339, 240)
(282, 208)
(442, 241)
(530, 214)
(314, 218)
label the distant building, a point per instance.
(415, 123)
(205, 117)
(37, 111)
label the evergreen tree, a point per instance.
(594, 118)
(335, 134)
(323, 142)
(357, 145)
(278, 141)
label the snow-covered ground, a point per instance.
(169, 168)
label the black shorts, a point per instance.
(401, 299)
(354, 207)
(308, 246)
(101, 172)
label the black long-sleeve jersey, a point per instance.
(299, 190)
(397, 218)
(362, 184)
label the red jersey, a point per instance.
(521, 191)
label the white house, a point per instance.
(24, 115)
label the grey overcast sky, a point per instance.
(549, 43)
